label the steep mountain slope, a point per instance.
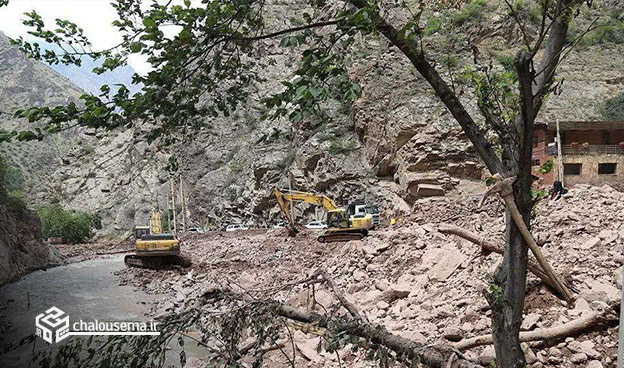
(24, 83)
(395, 138)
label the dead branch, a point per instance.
(343, 300)
(572, 328)
(491, 247)
(429, 356)
(504, 188)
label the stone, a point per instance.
(452, 333)
(529, 355)
(307, 347)
(578, 358)
(600, 291)
(382, 305)
(359, 275)
(429, 190)
(487, 355)
(530, 321)
(594, 364)
(590, 243)
(396, 291)
(448, 263)
(381, 285)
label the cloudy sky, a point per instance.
(93, 16)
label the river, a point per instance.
(86, 290)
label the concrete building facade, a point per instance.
(592, 152)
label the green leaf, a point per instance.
(136, 47)
(148, 22)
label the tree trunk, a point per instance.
(507, 292)
(508, 288)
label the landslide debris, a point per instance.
(421, 284)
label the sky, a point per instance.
(93, 16)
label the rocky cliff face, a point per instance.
(24, 83)
(21, 248)
(393, 146)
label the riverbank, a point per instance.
(417, 282)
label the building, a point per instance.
(592, 152)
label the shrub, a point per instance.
(338, 147)
(472, 12)
(434, 25)
(73, 227)
(3, 175)
(613, 108)
(507, 61)
(612, 33)
(16, 204)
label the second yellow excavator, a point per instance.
(343, 224)
(154, 249)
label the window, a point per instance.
(572, 169)
(606, 137)
(537, 162)
(607, 168)
(535, 141)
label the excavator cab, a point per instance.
(343, 224)
(140, 231)
(337, 219)
(153, 249)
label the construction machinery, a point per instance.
(154, 249)
(343, 224)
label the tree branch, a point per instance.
(571, 328)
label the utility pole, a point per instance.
(183, 204)
(292, 208)
(560, 155)
(620, 356)
(168, 214)
(173, 195)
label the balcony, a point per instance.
(591, 149)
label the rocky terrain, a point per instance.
(420, 283)
(395, 139)
(21, 248)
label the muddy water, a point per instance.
(87, 290)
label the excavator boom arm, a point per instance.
(286, 196)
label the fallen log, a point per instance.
(429, 356)
(490, 246)
(572, 328)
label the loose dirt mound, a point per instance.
(421, 284)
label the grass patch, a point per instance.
(471, 12)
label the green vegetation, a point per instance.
(609, 33)
(11, 185)
(434, 25)
(507, 61)
(73, 227)
(471, 12)
(613, 108)
(340, 147)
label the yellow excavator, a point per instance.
(154, 249)
(343, 224)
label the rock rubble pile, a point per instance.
(422, 284)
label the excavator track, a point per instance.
(341, 236)
(156, 262)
